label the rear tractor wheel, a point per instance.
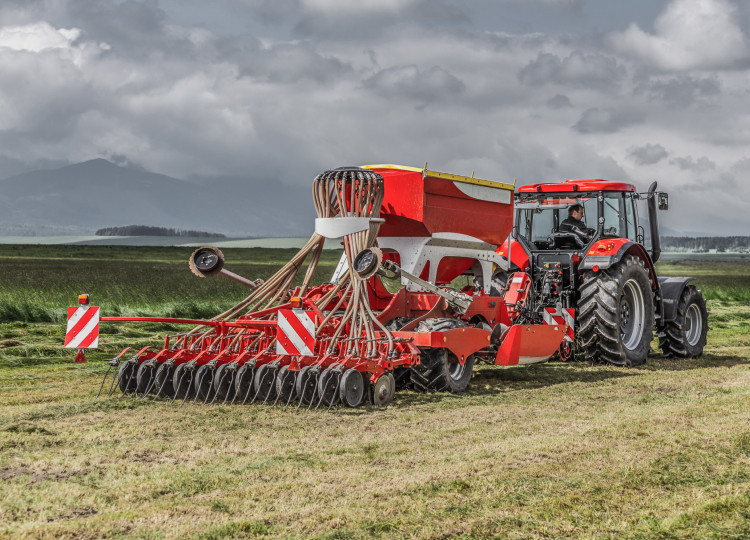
(685, 337)
(616, 314)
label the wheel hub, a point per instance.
(632, 314)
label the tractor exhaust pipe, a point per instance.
(653, 222)
(208, 261)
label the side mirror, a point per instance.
(663, 201)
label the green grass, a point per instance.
(544, 451)
(38, 282)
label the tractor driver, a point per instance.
(574, 224)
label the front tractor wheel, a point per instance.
(685, 337)
(616, 314)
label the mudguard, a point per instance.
(607, 252)
(671, 290)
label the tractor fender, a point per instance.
(607, 252)
(518, 255)
(671, 291)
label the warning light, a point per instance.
(83, 299)
(296, 302)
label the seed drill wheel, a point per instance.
(685, 337)
(203, 382)
(145, 377)
(384, 390)
(126, 377)
(164, 383)
(243, 382)
(306, 385)
(224, 380)
(328, 386)
(264, 387)
(616, 314)
(439, 369)
(285, 382)
(352, 388)
(182, 381)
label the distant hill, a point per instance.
(92, 195)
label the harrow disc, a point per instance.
(224, 380)
(145, 377)
(307, 381)
(352, 388)
(384, 390)
(265, 382)
(285, 382)
(243, 382)
(164, 383)
(328, 386)
(182, 381)
(126, 377)
(204, 382)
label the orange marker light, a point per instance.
(83, 299)
(296, 301)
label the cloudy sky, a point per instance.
(274, 91)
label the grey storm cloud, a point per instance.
(648, 154)
(414, 84)
(269, 92)
(608, 120)
(559, 101)
(577, 69)
(702, 164)
(680, 91)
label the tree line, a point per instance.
(705, 243)
(144, 230)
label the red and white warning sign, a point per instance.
(563, 317)
(83, 328)
(296, 332)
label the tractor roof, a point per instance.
(576, 185)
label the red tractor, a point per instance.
(603, 275)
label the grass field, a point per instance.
(552, 450)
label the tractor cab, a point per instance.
(545, 213)
(565, 229)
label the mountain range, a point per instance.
(84, 197)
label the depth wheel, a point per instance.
(285, 384)
(145, 377)
(265, 383)
(384, 390)
(616, 314)
(204, 382)
(182, 381)
(164, 385)
(352, 388)
(243, 382)
(126, 377)
(685, 337)
(328, 386)
(306, 385)
(224, 380)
